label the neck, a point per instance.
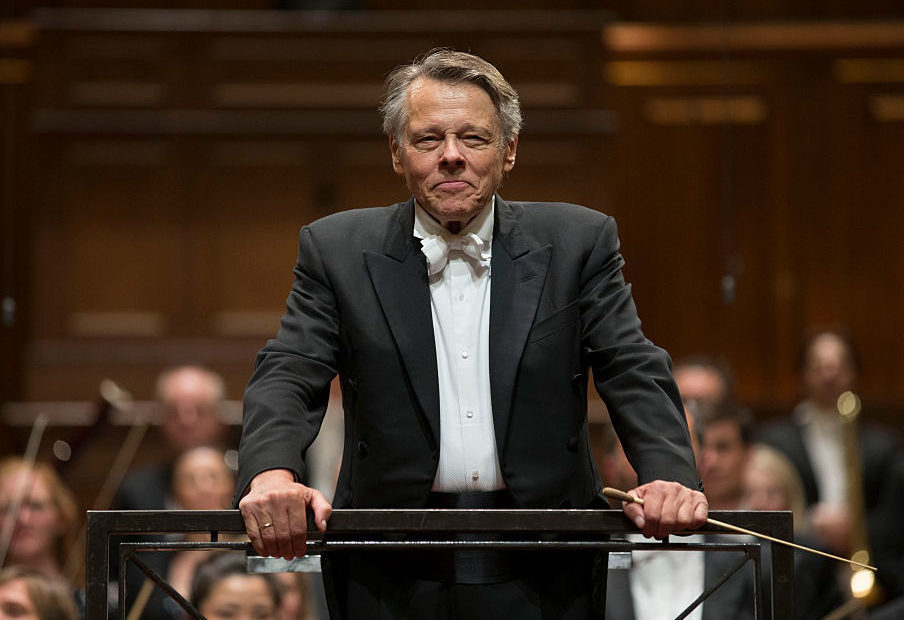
(46, 565)
(823, 408)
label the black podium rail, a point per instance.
(419, 529)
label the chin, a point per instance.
(26, 553)
(459, 212)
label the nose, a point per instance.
(25, 515)
(451, 155)
(187, 413)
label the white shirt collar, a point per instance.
(808, 413)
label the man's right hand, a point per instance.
(274, 510)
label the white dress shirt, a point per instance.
(460, 303)
(822, 435)
(664, 583)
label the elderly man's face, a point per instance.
(451, 152)
(191, 410)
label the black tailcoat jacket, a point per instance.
(360, 307)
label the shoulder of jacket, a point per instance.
(354, 217)
(536, 211)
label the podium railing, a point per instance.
(380, 529)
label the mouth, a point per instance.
(452, 185)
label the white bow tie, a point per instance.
(437, 249)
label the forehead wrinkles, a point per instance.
(434, 104)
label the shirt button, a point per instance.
(475, 476)
(461, 297)
(470, 413)
(464, 355)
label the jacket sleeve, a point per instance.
(630, 373)
(287, 396)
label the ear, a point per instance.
(509, 159)
(396, 159)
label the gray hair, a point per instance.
(452, 67)
(214, 381)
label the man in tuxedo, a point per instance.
(462, 328)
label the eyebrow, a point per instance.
(437, 129)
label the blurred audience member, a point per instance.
(771, 483)
(201, 481)
(223, 590)
(191, 397)
(29, 594)
(661, 583)
(704, 379)
(42, 513)
(813, 440)
(295, 599)
(727, 433)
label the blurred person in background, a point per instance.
(42, 512)
(812, 439)
(201, 481)
(772, 483)
(191, 397)
(222, 589)
(29, 594)
(704, 380)
(727, 433)
(662, 583)
(38, 517)
(295, 599)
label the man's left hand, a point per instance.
(668, 507)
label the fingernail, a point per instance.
(639, 522)
(323, 522)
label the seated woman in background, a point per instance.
(42, 513)
(772, 483)
(201, 481)
(223, 590)
(28, 594)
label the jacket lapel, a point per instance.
(399, 276)
(518, 274)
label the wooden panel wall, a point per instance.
(179, 155)
(754, 172)
(17, 39)
(628, 10)
(758, 167)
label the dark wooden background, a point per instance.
(159, 162)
